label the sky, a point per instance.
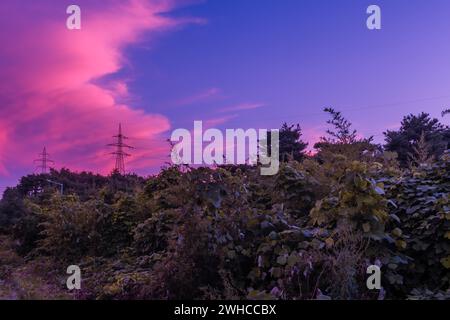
(158, 65)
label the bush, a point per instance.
(308, 232)
(423, 205)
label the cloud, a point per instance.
(210, 123)
(3, 140)
(50, 93)
(243, 106)
(203, 96)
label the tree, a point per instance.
(343, 132)
(342, 139)
(421, 155)
(11, 208)
(403, 141)
(291, 145)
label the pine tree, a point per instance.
(291, 144)
(412, 128)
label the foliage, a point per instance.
(11, 208)
(343, 140)
(423, 205)
(308, 232)
(291, 145)
(422, 150)
(408, 136)
(343, 133)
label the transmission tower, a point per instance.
(43, 161)
(120, 153)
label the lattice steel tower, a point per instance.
(43, 161)
(120, 153)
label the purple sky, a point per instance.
(159, 65)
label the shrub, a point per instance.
(423, 205)
(308, 232)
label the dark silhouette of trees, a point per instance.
(343, 133)
(85, 185)
(342, 139)
(11, 208)
(406, 140)
(291, 145)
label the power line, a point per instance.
(43, 161)
(349, 108)
(120, 153)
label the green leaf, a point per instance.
(282, 260)
(446, 262)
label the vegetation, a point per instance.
(413, 127)
(291, 145)
(309, 232)
(342, 139)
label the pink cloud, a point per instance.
(3, 140)
(210, 123)
(49, 93)
(206, 95)
(243, 106)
